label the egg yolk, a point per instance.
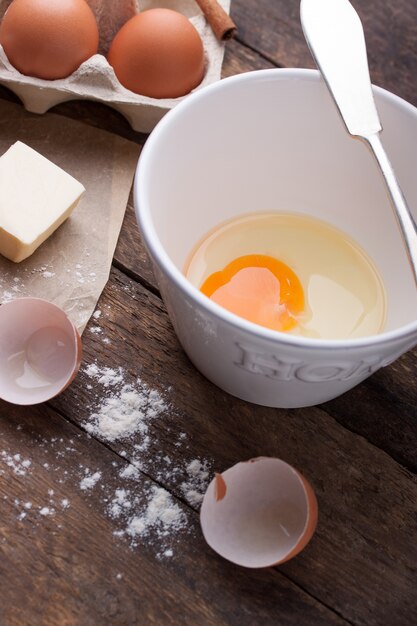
(260, 289)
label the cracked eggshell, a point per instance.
(40, 351)
(95, 78)
(259, 513)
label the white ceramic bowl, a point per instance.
(272, 139)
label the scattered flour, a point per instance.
(142, 512)
(162, 515)
(106, 376)
(92, 370)
(89, 481)
(126, 413)
(19, 465)
(196, 484)
(130, 471)
(46, 511)
(120, 502)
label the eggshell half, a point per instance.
(40, 351)
(259, 513)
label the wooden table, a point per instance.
(65, 557)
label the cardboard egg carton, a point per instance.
(96, 80)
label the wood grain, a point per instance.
(358, 451)
(366, 499)
(69, 568)
(273, 29)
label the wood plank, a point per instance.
(239, 58)
(274, 30)
(361, 561)
(68, 567)
(384, 410)
(130, 255)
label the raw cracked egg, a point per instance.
(259, 513)
(48, 39)
(159, 54)
(290, 273)
(259, 288)
(40, 351)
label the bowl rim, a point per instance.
(187, 289)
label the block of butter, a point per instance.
(36, 197)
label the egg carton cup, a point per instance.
(95, 80)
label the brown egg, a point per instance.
(158, 53)
(48, 39)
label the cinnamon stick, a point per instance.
(221, 23)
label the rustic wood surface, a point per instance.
(359, 451)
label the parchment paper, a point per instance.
(72, 267)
